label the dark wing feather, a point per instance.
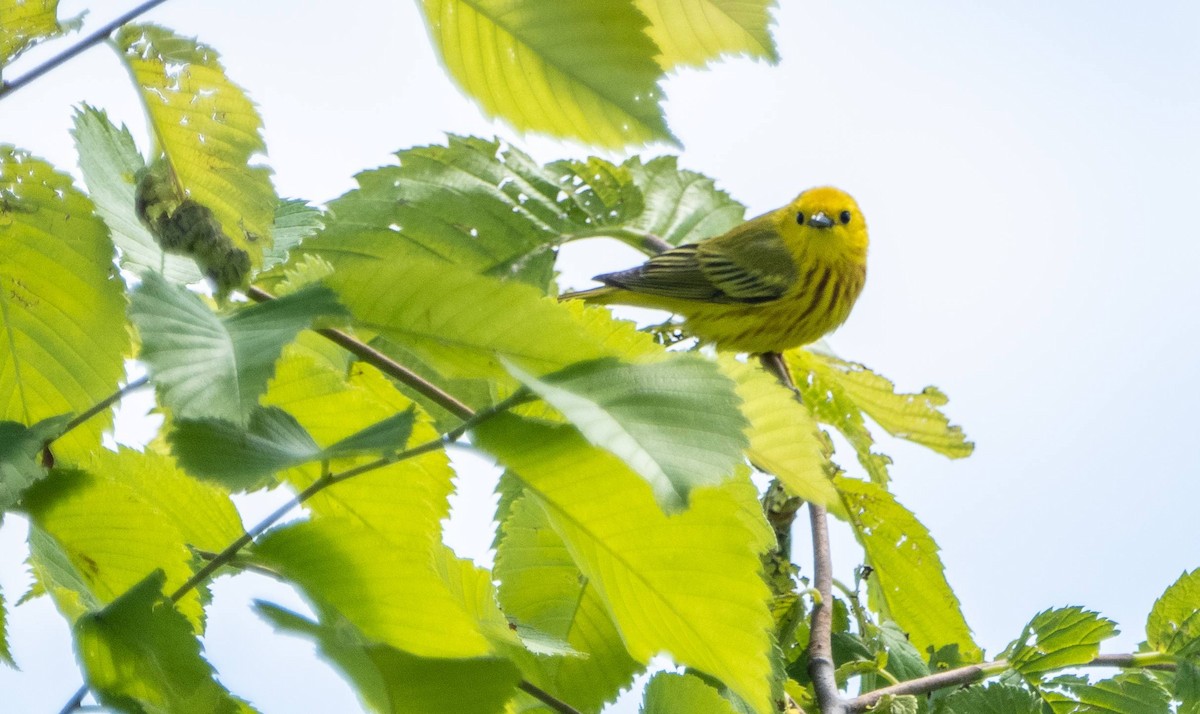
(674, 273)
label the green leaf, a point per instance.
(5, 653)
(383, 437)
(1174, 622)
(295, 222)
(343, 565)
(784, 439)
(688, 584)
(903, 660)
(696, 32)
(577, 69)
(241, 457)
(908, 584)
(140, 654)
(208, 366)
(1056, 639)
(1185, 686)
(1133, 692)
(19, 450)
(25, 23)
(389, 680)
(541, 587)
(681, 206)
(840, 393)
(96, 533)
(62, 317)
(207, 128)
(991, 699)
(675, 423)
(110, 163)
(669, 693)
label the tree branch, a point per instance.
(546, 698)
(95, 38)
(386, 364)
(104, 404)
(820, 643)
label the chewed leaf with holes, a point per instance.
(25, 23)
(695, 32)
(840, 393)
(908, 584)
(572, 68)
(62, 308)
(208, 130)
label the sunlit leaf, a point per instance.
(541, 587)
(784, 439)
(675, 423)
(390, 681)
(295, 222)
(695, 32)
(25, 23)
(669, 693)
(681, 206)
(1056, 639)
(210, 366)
(994, 698)
(110, 163)
(1174, 622)
(908, 582)
(1132, 692)
(658, 576)
(207, 128)
(62, 309)
(5, 653)
(572, 68)
(20, 447)
(140, 654)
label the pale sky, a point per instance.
(1027, 172)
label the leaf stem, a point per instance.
(95, 38)
(105, 404)
(386, 364)
(546, 698)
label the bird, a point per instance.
(778, 281)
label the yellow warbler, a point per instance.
(777, 281)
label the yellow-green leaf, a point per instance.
(62, 308)
(688, 584)
(670, 693)
(25, 23)
(570, 68)
(1174, 622)
(908, 582)
(695, 32)
(207, 128)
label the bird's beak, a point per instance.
(820, 220)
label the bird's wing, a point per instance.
(747, 265)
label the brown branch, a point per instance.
(95, 38)
(386, 364)
(820, 642)
(104, 404)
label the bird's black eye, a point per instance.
(845, 217)
(800, 218)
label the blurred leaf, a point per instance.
(681, 206)
(908, 583)
(389, 680)
(5, 653)
(240, 458)
(669, 693)
(1174, 622)
(207, 128)
(675, 423)
(839, 393)
(343, 565)
(295, 222)
(210, 366)
(20, 447)
(25, 23)
(140, 654)
(696, 32)
(991, 699)
(658, 576)
(1185, 687)
(62, 330)
(784, 439)
(1056, 639)
(1131, 692)
(96, 533)
(541, 587)
(574, 68)
(110, 163)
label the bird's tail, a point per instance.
(595, 296)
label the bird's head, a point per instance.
(826, 220)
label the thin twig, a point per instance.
(105, 404)
(93, 39)
(971, 674)
(820, 643)
(546, 698)
(386, 364)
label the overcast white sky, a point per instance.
(1028, 172)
